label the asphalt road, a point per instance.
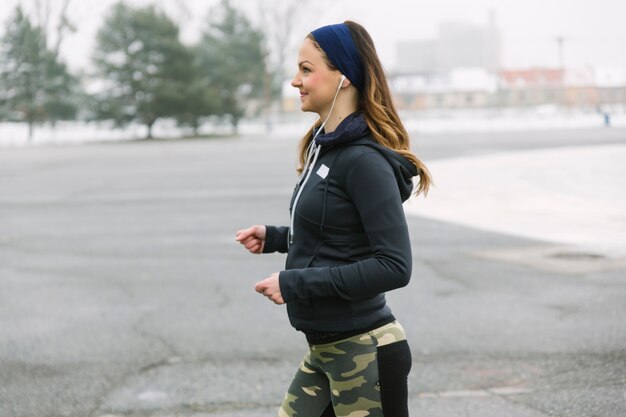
(123, 292)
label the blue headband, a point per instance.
(336, 42)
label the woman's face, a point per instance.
(315, 80)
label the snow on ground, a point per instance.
(568, 195)
(294, 125)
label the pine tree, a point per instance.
(147, 71)
(231, 54)
(35, 86)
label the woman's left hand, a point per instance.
(270, 288)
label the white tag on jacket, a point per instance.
(322, 171)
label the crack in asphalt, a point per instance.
(137, 329)
(121, 381)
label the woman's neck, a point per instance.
(335, 120)
(346, 105)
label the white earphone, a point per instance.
(343, 78)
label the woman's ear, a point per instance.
(345, 82)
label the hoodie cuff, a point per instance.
(275, 239)
(285, 291)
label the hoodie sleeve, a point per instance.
(372, 186)
(276, 239)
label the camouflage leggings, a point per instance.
(364, 375)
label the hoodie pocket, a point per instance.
(330, 253)
(314, 255)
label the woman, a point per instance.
(348, 242)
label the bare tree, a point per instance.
(277, 23)
(278, 20)
(281, 22)
(45, 14)
(64, 25)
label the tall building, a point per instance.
(458, 45)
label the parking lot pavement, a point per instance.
(123, 292)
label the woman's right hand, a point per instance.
(253, 238)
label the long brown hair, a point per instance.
(377, 106)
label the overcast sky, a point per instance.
(594, 30)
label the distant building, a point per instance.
(577, 87)
(475, 87)
(460, 88)
(611, 83)
(530, 87)
(458, 45)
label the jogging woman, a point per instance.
(347, 242)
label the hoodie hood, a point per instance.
(353, 130)
(403, 169)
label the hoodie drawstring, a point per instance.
(308, 169)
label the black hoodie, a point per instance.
(350, 240)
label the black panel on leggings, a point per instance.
(394, 364)
(329, 412)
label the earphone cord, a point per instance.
(308, 168)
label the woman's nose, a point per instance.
(296, 81)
